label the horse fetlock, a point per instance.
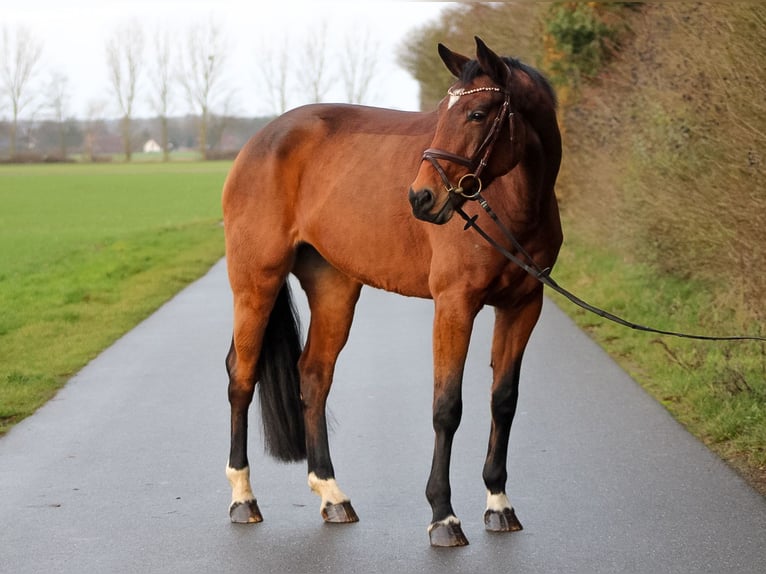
(498, 502)
(327, 489)
(239, 479)
(243, 508)
(335, 506)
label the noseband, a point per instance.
(469, 185)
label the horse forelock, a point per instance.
(519, 89)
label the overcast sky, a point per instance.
(74, 34)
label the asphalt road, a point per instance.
(124, 470)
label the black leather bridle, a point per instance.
(469, 185)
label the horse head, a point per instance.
(479, 135)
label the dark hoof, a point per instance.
(341, 513)
(502, 521)
(245, 512)
(447, 535)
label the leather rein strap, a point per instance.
(543, 276)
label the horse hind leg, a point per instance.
(257, 314)
(332, 298)
(240, 365)
(513, 327)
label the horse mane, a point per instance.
(473, 70)
(535, 97)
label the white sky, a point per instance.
(74, 35)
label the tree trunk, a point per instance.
(203, 134)
(126, 143)
(164, 138)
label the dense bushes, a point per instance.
(666, 152)
(579, 39)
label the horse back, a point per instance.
(335, 177)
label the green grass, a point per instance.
(86, 252)
(716, 389)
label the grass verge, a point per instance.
(717, 390)
(88, 251)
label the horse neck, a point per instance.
(525, 193)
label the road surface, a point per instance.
(124, 470)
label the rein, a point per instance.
(543, 276)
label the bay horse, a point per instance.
(326, 192)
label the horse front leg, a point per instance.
(452, 331)
(513, 327)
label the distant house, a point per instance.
(152, 146)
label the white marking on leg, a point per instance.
(452, 519)
(497, 502)
(240, 484)
(327, 489)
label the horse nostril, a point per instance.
(422, 200)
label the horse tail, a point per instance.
(279, 382)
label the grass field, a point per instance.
(86, 252)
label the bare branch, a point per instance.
(58, 103)
(124, 53)
(359, 65)
(18, 66)
(161, 95)
(312, 77)
(273, 68)
(201, 74)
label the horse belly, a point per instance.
(376, 242)
(373, 256)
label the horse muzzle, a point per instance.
(425, 206)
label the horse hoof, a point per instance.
(502, 521)
(245, 512)
(447, 534)
(341, 513)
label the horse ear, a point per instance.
(492, 64)
(454, 61)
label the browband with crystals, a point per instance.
(461, 92)
(455, 94)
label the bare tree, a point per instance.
(201, 75)
(58, 102)
(313, 78)
(124, 53)
(273, 68)
(19, 60)
(359, 65)
(93, 123)
(161, 78)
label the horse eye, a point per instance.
(477, 116)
